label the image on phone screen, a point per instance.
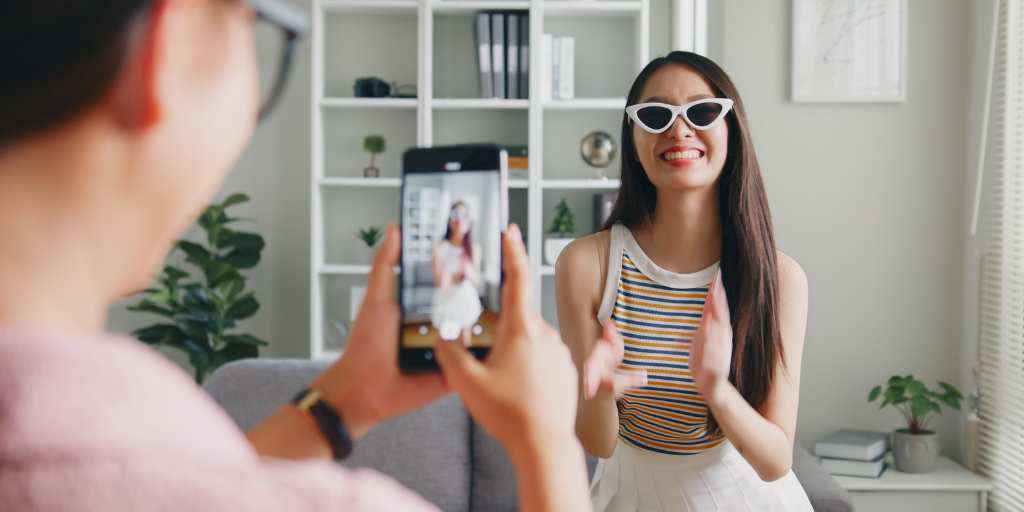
(451, 257)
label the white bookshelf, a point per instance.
(430, 43)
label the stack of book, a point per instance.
(503, 54)
(853, 453)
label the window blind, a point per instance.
(1001, 344)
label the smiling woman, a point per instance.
(685, 413)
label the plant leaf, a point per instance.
(234, 199)
(245, 307)
(196, 253)
(148, 306)
(920, 406)
(159, 334)
(242, 260)
(246, 339)
(877, 390)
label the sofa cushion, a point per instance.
(427, 451)
(494, 480)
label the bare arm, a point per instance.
(765, 438)
(579, 283)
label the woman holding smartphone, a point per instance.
(689, 342)
(119, 120)
(456, 302)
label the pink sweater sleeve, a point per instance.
(108, 425)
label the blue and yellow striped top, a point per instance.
(657, 321)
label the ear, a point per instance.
(135, 96)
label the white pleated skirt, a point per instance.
(719, 479)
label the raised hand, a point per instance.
(711, 349)
(601, 369)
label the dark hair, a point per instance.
(467, 241)
(748, 262)
(58, 57)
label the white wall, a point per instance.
(869, 199)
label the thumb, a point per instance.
(460, 368)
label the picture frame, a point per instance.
(849, 51)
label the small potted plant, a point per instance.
(916, 449)
(374, 145)
(563, 226)
(370, 236)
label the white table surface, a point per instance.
(948, 476)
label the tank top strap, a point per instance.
(611, 283)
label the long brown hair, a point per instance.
(748, 262)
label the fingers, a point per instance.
(625, 381)
(518, 291)
(460, 368)
(381, 287)
(426, 388)
(611, 333)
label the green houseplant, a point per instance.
(202, 311)
(563, 226)
(370, 236)
(915, 449)
(374, 145)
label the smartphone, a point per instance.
(454, 211)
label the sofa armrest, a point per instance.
(825, 493)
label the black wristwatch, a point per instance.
(310, 401)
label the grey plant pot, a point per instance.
(915, 453)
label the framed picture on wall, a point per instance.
(849, 51)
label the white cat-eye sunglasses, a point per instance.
(700, 114)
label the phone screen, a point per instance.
(451, 257)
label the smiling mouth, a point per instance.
(689, 154)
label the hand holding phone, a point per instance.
(365, 385)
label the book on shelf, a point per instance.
(518, 157)
(503, 42)
(559, 67)
(857, 445)
(498, 54)
(511, 55)
(861, 468)
(524, 56)
(482, 30)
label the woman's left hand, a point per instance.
(711, 349)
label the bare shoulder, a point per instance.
(792, 278)
(583, 263)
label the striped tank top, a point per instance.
(657, 312)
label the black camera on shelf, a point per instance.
(372, 87)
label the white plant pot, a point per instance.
(553, 247)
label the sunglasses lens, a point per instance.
(703, 114)
(654, 117)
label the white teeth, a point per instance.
(689, 154)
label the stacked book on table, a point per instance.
(853, 453)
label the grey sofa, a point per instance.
(437, 451)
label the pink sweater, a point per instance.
(106, 424)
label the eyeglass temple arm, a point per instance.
(282, 76)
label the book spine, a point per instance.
(498, 54)
(524, 56)
(556, 67)
(546, 66)
(512, 55)
(483, 44)
(566, 81)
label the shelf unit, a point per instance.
(437, 106)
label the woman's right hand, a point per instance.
(526, 390)
(601, 369)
